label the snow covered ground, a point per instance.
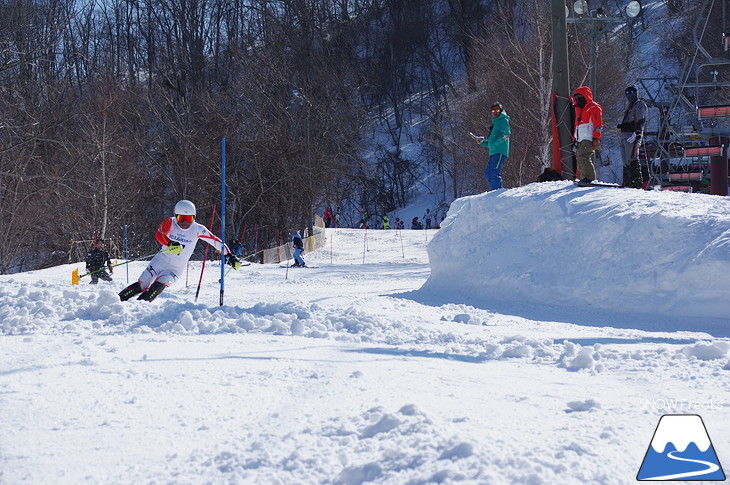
(537, 338)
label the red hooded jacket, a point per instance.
(589, 118)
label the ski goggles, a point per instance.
(496, 110)
(182, 218)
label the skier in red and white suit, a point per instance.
(178, 236)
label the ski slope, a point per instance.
(400, 359)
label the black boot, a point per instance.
(152, 292)
(635, 177)
(130, 291)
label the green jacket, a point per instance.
(498, 140)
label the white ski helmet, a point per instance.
(185, 208)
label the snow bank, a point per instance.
(620, 250)
(39, 309)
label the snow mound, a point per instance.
(705, 351)
(583, 406)
(616, 250)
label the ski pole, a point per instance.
(205, 255)
(256, 241)
(477, 138)
(398, 231)
(241, 266)
(288, 250)
(402, 250)
(75, 273)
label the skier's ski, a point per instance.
(291, 266)
(578, 183)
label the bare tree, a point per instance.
(357, 102)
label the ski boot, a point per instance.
(130, 291)
(152, 292)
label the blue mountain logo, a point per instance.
(680, 450)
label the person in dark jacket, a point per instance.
(632, 130)
(298, 249)
(236, 247)
(96, 260)
(498, 144)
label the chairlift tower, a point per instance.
(692, 142)
(591, 22)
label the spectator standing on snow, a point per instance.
(632, 130)
(498, 144)
(96, 260)
(327, 217)
(427, 218)
(178, 236)
(386, 222)
(363, 224)
(298, 249)
(588, 130)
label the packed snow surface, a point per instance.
(536, 338)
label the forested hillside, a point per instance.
(112, 111)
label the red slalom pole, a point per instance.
(205, 255)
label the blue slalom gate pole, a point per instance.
(223, 215)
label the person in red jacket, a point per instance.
(588, 130)
(327, 217)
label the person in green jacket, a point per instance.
(498, 144)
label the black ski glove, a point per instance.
(232, 261)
